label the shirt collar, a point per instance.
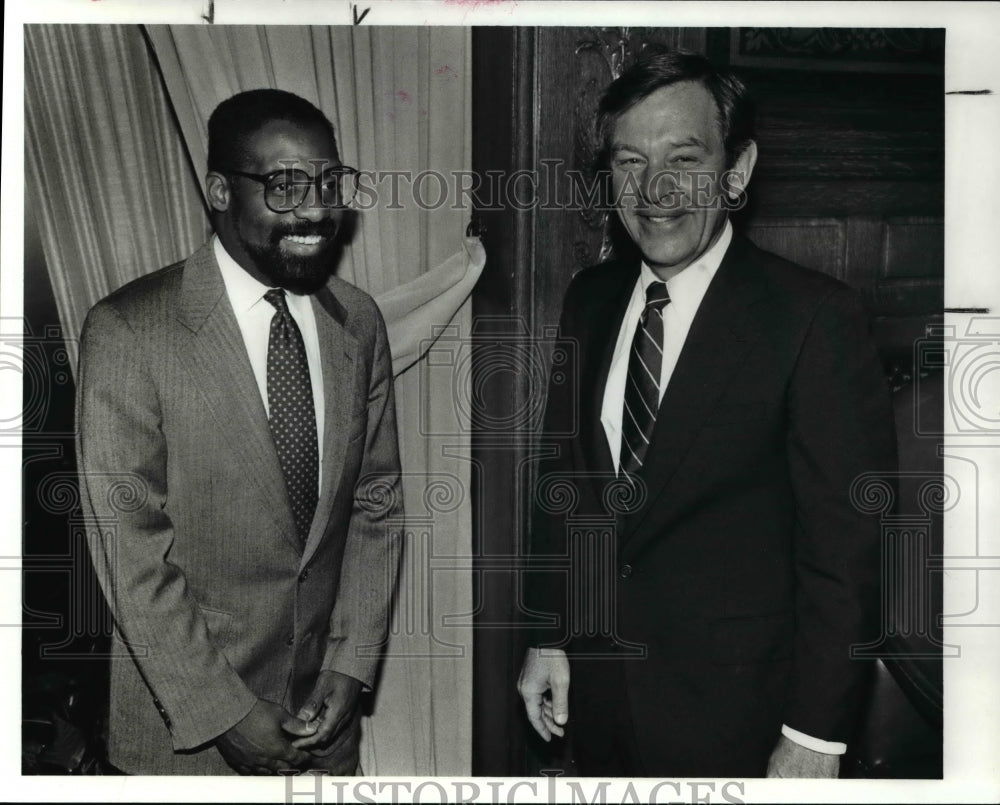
(244, 291)
(697, 275)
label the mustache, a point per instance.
(326, 229)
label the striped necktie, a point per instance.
(642, 386)
(292, 412)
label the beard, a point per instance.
(298, 274)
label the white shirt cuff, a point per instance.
(826, 747)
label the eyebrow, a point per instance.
(695, 141)
(312, 165)
(690, 141)
(624, 147)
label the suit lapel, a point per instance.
(605, 320)
(720, 335)
(217, 360)
(338, 358)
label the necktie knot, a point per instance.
(276, 298)
(656, 295)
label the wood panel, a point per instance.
(830, 197)
(819, 243)
(504, 106)
(913, 248)
(896, 262)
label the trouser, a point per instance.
(603, 736)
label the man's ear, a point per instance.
(217, 188)
(739, 174)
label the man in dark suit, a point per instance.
(239, 462)
(727, 401)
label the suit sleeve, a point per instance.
(840, 427)
(360, 617)
(122, 459)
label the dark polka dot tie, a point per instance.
(292, 412)
(642, 386)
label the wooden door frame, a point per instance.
(504, 106)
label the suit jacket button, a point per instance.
(291, 640)
(625, 572)
(303, 575)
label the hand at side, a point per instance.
(545, 670)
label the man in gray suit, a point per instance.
(239, 462)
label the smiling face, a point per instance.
(669, 175)
(292, 250)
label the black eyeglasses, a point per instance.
(285, 189)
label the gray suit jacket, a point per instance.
(194, 543)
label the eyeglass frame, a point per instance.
(314, 182)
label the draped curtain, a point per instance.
(113, 167)
(107, 179)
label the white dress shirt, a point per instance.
(686, 290)
(254, 314)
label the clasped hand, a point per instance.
(269, 739)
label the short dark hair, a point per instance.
(658, 67)
(237, 118)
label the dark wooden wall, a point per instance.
(850, 176)
(849, 181)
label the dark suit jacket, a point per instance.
(739, 579)
(215, 602)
